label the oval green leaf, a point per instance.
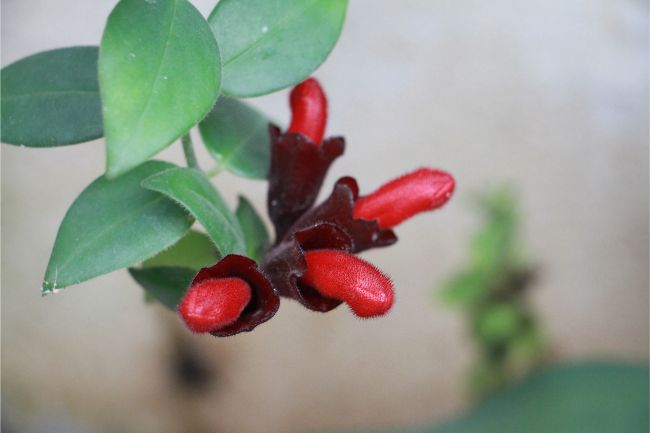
(269, 45)
(193, 190)
(195, 251)
(255, 232)
(237, 136)
(52, 99)
(114, 224)
(166, 284)
(159, 72)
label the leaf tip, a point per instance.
(49, 288)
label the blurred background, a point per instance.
(549, 97)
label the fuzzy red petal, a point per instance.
(308, 110)
(264, 300)
(422, 190)
(214, 303)
(341, 275)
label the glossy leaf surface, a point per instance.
(267, 45)
(166, 284)
(254, 229)
(192, 189)
(114, 224)
(237, 136)
(159, 73)
(52, 98)
(195, 250)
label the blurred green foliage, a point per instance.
(585, 397)
(491, 291)
(590, 397)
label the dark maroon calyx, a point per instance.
(298, 168)
(338, 209)
(285, 263)
(264, 300)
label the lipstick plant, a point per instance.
(162, 69)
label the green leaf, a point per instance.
(159, 71)
(465, 288)
(166, 276)
(111, 225)
(237, 136)
(195, 251)
(166, 284)
(255, 233)
(267, 45)
(192, 189)
(52, 98)
(588, 397)
(499, 322)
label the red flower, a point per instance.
(312, 259)
(343, 276)
(214, 303)
(419, 191)
(300, 158)
(230, 297)
(309, 110)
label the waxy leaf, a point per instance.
(166, 284)
(195, 250)
(192, 189)
(159, 75)
(237, 136)
(52, 98)
(267, 45)
(166, 276)
(594, 397)
(114, 224)
(255, 232)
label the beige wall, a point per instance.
(550, 95)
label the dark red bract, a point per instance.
(297, 171)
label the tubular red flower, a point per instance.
(422, 190)
(214, 303)
(309, 110)
(230, 297)
(340, 275)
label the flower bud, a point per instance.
(343, 276)
(214, 303)
(308, 110)
(422, 190)
(230, 297)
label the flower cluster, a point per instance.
(313, 258)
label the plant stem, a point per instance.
(188, 150)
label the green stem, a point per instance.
(188, 150)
